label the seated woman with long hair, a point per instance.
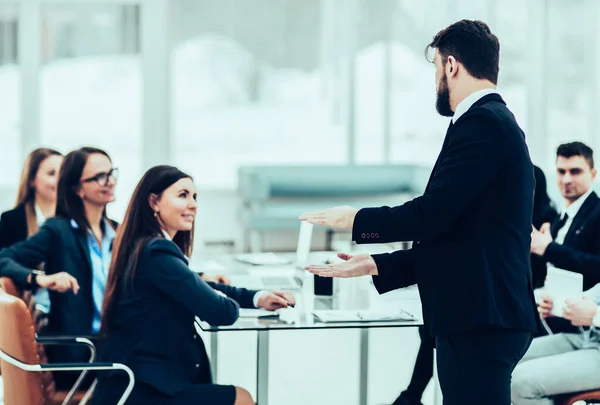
(36, 202)
(152, 298)
(75, 247)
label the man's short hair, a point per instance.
(472, 44)
(568, 150)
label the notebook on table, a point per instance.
(329, 316)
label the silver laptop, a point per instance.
(292, 280)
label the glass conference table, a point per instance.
(301, 318)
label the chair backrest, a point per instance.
(10, 287)
(17, 339)
(39, 321)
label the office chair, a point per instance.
(26, 380)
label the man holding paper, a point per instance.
(471, 228)
(562, 363)
(572, 241)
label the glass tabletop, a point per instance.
(295, 318)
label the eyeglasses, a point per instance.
(102, 178)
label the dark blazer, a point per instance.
(543, 211)
(60, 247)
(580, 251)
(471, 228)
(13, 226)
(153, 329)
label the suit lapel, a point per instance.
(82, 242)
(583, 213)
(481, 101)
(444, 145)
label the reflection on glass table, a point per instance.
(302, 317)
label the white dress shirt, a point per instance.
(571, 211)
(468, 101)
(594, 294)
(39, 216)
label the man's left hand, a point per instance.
(218, 278)
(580, 311)
(353, 266)
(276, 300)
(540, 240)
(337, 217)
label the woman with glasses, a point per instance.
(75, 247)
(36, 201)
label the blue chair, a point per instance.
(272, 197)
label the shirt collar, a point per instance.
(468, 102)
(109, 232)
(574, 208)
(166, 235)
(39, 215)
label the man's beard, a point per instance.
(442, 102)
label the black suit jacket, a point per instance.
(543, 211)
(580, 251)
(61, 247)
(471, 227)
(13, 226)
(153, 331)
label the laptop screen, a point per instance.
(304, 241)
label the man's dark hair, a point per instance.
(568, 150)
(472, 44)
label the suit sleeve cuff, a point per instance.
(362, 229)
(21, 280)
(385, 280)
(596, 319)
(551, 251)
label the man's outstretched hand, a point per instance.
(353, 266)
(336, 217)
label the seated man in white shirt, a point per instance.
(572, 241)
(565, 362)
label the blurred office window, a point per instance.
(90, 85)
(570, 61)
(256, 83)
(10, 103)
(509, 23)
(416, 129)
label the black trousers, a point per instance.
(475, 367)
(423, 371)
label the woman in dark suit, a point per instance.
(36, 201)
(36, 197)
(152, 299)
(75, 247)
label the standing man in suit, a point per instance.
(572, 242)
(471, 228)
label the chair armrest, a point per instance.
(75, 367)
(68, 341)
(65, 340)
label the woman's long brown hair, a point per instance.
(138, 228)
(26, 192)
